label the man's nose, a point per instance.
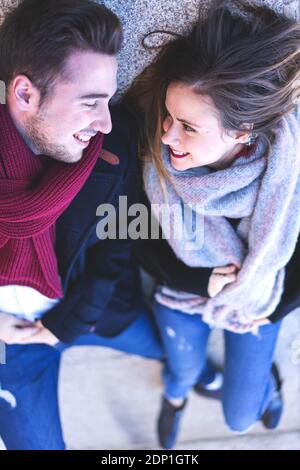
(103, 123)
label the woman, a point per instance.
(223, 148)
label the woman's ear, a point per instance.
(242, 136)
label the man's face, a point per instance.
(75, 110)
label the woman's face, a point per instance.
(193, 131)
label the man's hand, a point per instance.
(220, 277)
(13, 330)
(41, 335)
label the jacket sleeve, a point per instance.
(291, 296)
(157, 258)
(108, 283)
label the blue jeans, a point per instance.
(248, 386)
(29, 411)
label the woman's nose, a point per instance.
(170, 137)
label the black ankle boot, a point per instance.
(273, 413)
(212, 389)
(168, 423)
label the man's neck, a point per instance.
(21, 131)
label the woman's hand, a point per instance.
(262, 322)
(220, 277)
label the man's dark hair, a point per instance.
(38, 36)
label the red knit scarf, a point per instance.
(33, 195)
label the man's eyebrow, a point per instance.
(93, 96)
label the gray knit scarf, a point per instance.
(263, 191)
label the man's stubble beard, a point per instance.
(39, 143)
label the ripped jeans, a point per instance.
(248, 386)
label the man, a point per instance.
(58, 281)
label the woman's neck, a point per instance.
(228, 158)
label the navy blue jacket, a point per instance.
(291, 296)
(99, 277)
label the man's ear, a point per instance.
(24, 94)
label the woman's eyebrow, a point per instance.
(189, 123)
(184, 120)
